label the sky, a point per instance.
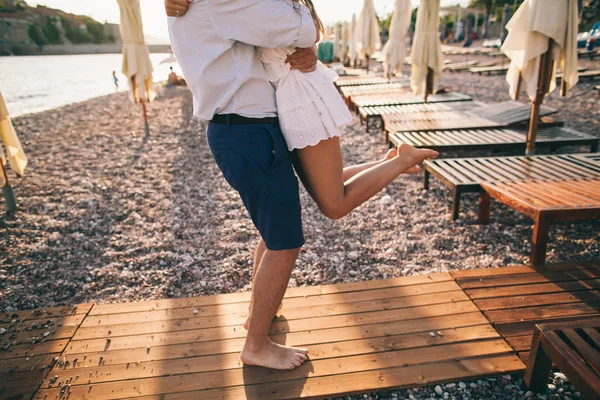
(155, 23)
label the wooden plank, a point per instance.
(520, 343)
(27, 363)
(318, 368)
(538, 312)
(29, 349)
(156, 341)
(244, 297)
(122, 329)
(18, 394)
(294, 307)
(537, 288)
(537, 300)
(520, 269)
(283, 326)
(523, 279)
(377, 336)
(526, 327)
(358, 383)
(587, 352)
(155, 368)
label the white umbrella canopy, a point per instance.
(352, 53)
(532, 27)
(542, 35)
(395, 49)
(426, 53)
(14, 155)
(137, 66)
(367, 31)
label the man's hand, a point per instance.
(304, 60)
(176, 8)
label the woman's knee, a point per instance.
(332, 210)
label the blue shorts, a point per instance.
(255, 161)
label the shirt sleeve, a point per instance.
(264, 23)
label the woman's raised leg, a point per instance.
(321, 170)
(352, 170)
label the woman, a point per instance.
(311, 114)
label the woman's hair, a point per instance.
(318, 23)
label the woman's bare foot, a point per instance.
(247, 323)
(390, 154)
(269, 354)
(411, 157)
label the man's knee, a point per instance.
(287, 254)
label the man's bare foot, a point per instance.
(410, 157)
(272, 355)
(247, 323)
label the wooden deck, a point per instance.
(362, 337)
(514, 299)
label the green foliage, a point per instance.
(75, 34)
(17, 50)
(96, 29)
(36, 35)
(50, 31)
(589, 15)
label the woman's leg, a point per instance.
(321, 170)
(352, 170)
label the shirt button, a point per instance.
(292, 99)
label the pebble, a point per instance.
(432, 334)
(387, 199)
(353, 255)
(438, 390)
(195, 312)
(3, 331)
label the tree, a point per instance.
(36, 35)
(589, 15)
(491, 7)
(50, 30)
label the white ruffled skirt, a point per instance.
(309, 107)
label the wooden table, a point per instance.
(574, 348)
(545, 202)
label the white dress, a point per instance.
(309, 107)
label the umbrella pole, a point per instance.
(146, 126)
(542, 89)
(367, 63)
(9, 197)
(428, 84)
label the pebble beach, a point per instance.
(107, 215)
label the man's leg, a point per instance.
(270, 284)
(258, 255)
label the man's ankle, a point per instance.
(255, 343)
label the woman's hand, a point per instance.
(176, 8)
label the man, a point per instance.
(214, 42)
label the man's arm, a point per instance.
(265, 23)
(176, 8)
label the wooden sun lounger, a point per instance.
(568, 199)
(597, 88)
(373, 106)
(435, 120)
(573, 347)
(493, 139)
(465, 175)
(396, 87)
(510, 112)
(367, 80)
(467, 66)
(499, 69)
(591, 54)
(587, 74)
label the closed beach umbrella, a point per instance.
(137, 66)
(426, 53)
(394, 50)
(352, 53)
(344, 44)
(542, 35)
(367, 31)
(14, 155)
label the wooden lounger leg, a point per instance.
(484, 208)
(455, 204)
(540, 240)
(538, 366)
(425, 179)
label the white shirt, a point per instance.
(214, 44)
